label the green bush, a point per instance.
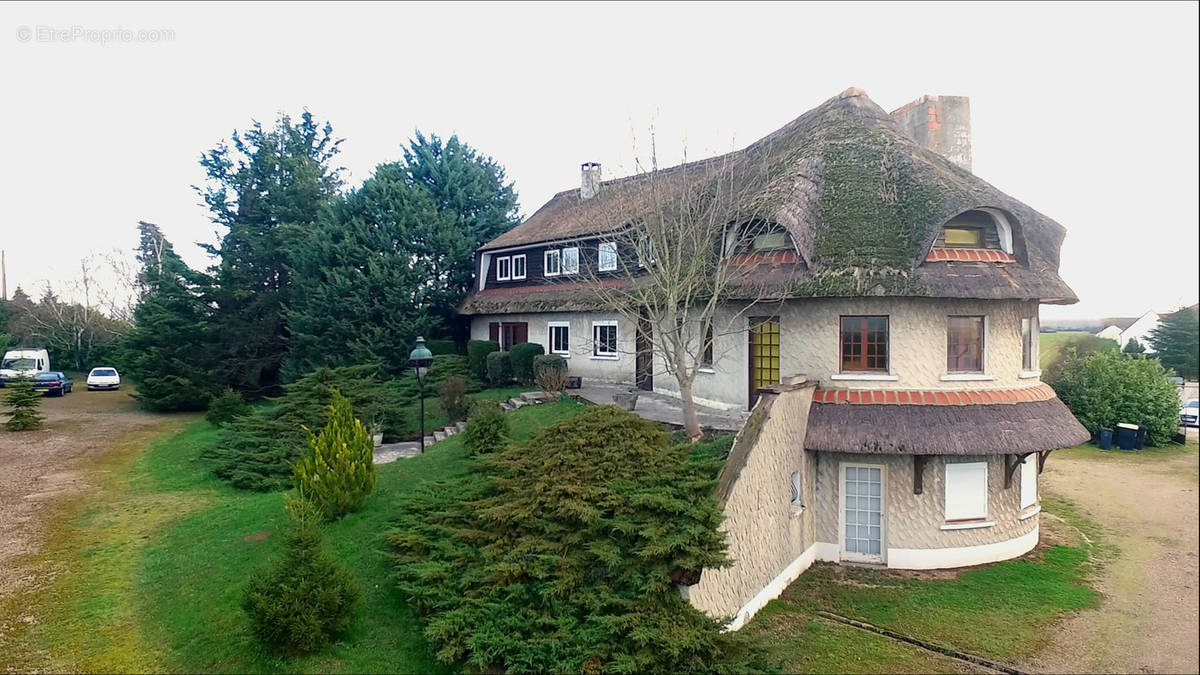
(225, 408)
(557, 555)
(338, 472)
(477, 352)
(1133, 347)
(443, 347)
(305, 598)
(1079, 345)
(499, 369)
(453, 397)
(22, 403)
(548, 361)
(487, 430)
(1105, 388)
(523, 356)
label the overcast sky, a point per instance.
(1087, 112)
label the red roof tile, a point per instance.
(969, 255)
(944, 397)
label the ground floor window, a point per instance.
(966, 491)
(560, 338)
(604, 339)
(1029, 477)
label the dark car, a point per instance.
(54, 383)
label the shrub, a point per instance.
(557, 555)
(477, 353)
(338, 471)
(225, 408)
(1105, 388)
(550, 373)
(1082, 344)
(523, 356)
(488, 429)
(1133, 347)
(22, 403)
(443, 347)
(499, 369)
(452, 395)
(304, 599)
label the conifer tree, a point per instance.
(1176, 342)
(22, 404)
(338, 472)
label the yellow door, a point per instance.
(764, 354)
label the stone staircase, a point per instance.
(390, 452)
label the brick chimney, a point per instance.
(590, 186)
(940, 123)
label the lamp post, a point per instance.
(419, 359)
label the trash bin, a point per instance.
(1106, 439)
(1139, 441)
(1126, 436)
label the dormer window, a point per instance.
(982, 228)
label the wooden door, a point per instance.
(764, 355)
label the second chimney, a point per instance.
(590, 185)
(940, 123)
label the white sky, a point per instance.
(1087, 112)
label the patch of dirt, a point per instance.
(1149, 619)
(257, 536)
(40, 469)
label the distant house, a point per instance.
(1139, 329)
(900, 423)
(1119, 329)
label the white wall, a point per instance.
(580, 361)
(1141, 330)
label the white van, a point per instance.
(23, 363)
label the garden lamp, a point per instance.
(419, 359)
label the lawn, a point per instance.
(998, 611)
(1050, 344)
(153, 569)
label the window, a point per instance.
(1029, 476)
(553, 264)
(604, 339)
(864, 343)
(503, 269)
(560, 338)
(570, 260)
(964, 237)
(608, 256)
(1029, 335)
(771, 241)
(518, 267)
(797, 484)
(507, 334)
(964, 344)
(645, 252)
(706, 349)
(966, 491)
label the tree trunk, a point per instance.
(691, 421)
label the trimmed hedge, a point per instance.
(548, 361)
(523, 356)
(499, 368)
(477, 352)
(443, 347)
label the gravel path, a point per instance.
(1148, 620)
(40, 469)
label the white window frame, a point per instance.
(596, 353)
(569, 253)
(550, 326)
(524, 267)
(503, 268)
(1029, 482)
(965, 494)
(796, 483)
(556, 256)
(883, 510)
(610, 248)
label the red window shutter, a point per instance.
(494, 332)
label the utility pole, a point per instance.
(3, 278)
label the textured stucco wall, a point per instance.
(809, 335)
(580, 362)
(913, 521)
(764, 532)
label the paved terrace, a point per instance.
(663, 408)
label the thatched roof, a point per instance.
(863, 202)
(943, 429)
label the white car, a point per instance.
(1189, 414)
(103, 377)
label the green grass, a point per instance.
(436, 418)
(1049, 344)
(1000, 611)
(154, 568)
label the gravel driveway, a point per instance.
(1148, 620)
(39, 470)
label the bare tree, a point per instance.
(679, 257)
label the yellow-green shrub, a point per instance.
(338, 471)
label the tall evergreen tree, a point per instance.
(268, 187)
(169, 352)
(1176, 342)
